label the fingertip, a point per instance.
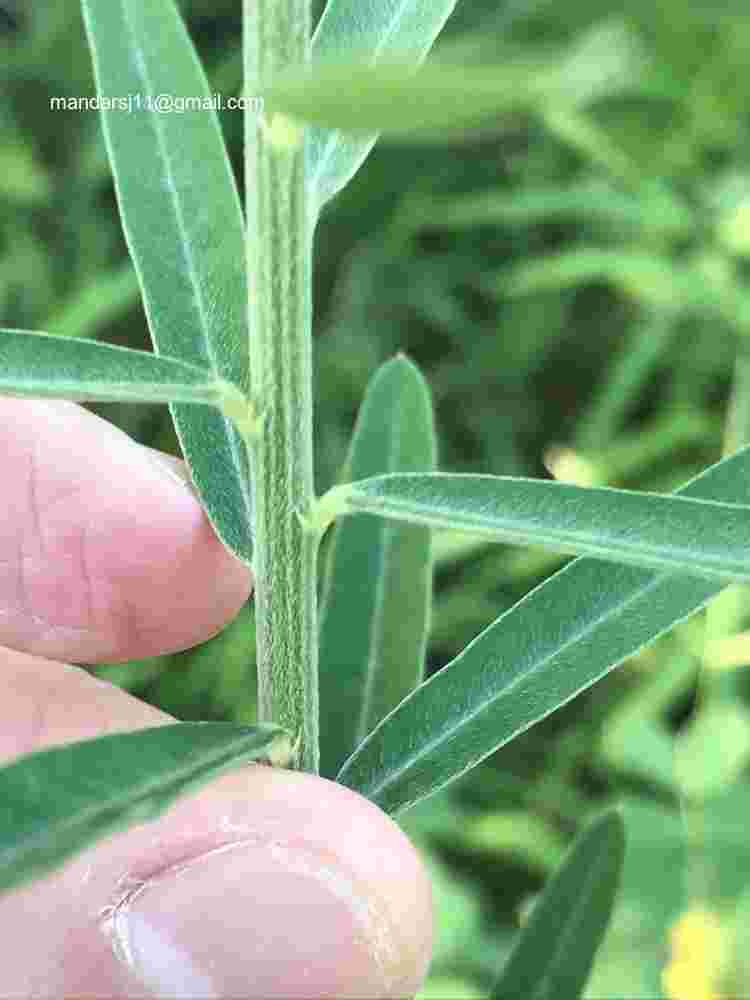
(356, 852)
(107, 553)
(173, 583)
(265, 883)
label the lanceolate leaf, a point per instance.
(557, 946)
(38, 365)
(56, 802)
(183, 224)
(556, 642)
(433, 104)
(644, 529)
(375, 29)
(375, 613)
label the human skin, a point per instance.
(266, 882)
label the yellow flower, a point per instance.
(698, 954)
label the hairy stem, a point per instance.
(279, 248)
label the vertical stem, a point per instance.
(279, 249)
(724, 617)
(727, 612)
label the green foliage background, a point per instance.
(572, 281)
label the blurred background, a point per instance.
(572, 280)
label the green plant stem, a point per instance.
(644, 349)
(279, 242)
(728, 612)
(724, 616)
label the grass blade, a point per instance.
(183, 224)
(515, 673)
(642, 529)
(98, 303)
(654, 210)
(56, 802)
(556, 950)
(650, 278)
(375, 614)
(43, 365)
(404, 29)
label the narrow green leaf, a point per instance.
(375, 614)
(556, 950)
(56, 802)
(102, 300)
(655, 210)
(432, 104)
(404, 29)
(554, 643)
(647, 277)
(642, 529)
(603, 61)
(579, 131)
(42, 365)
(644, 348)
(183, 225)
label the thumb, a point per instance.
(265, 883)
(314, 894)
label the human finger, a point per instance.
(105, 552)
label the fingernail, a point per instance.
(174, 468)
(255, 920)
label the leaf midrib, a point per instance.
(144, 789)
(582, 902)
(426, 749)
(573, 541)
(186, 248)
(385, 543)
